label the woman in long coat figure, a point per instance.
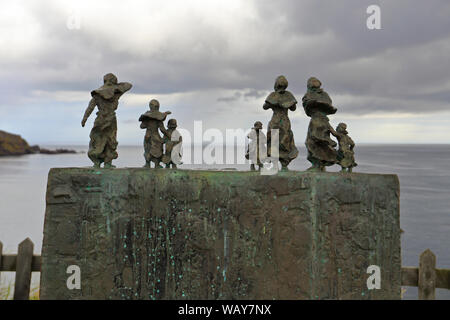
(280, 101)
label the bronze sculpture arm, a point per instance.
(333, 132)
(88, 111)
(352, 144)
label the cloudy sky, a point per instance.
(216, 61)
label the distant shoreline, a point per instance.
(14, 145)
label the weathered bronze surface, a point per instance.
(103, 144)
(256, 149)
(346, 155)
(179, 234)
(280, 101)
(317, 105)
(153, 121)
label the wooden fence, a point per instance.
(23, 263)
(426, 277)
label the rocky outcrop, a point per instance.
(15, 145)
(56, 151)
(184, 234)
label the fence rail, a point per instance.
(426, 277)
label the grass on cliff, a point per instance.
(7, 289)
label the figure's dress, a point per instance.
(317, 105)
(280, 103)
(103, 136)
(318, 142)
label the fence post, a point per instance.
(427, 275)
(23, 270)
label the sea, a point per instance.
(423, 170)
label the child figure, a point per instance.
(346, 155)
(173, 142)
(256, 149)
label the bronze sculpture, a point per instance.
(346, 155)
(153, 143)
(317, 105)
(256, 149)
(103, 136)
(172, 155)
(280, 101)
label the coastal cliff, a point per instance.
(15, 145)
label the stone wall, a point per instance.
(180, 234)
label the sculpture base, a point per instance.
(180, 234)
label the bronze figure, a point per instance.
(280, 101)
(172, 155)
(256, 149)
(153, 143)
(317, 105)
(346, 155)
(103, 143)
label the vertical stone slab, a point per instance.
(356, 225)
(176, 234)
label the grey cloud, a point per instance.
(327, 39)
(256, 94)
(249, 94)
(234, 97)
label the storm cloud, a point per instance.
(216, 61)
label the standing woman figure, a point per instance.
(280, 101)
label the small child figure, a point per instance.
(173, 143)
(346, 155)
(256, 149)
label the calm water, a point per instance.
(424, 173)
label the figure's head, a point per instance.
(342, 128)
(110, 79)
(154, 105)
(258, 125)
(281, 84)
(172, 124)
(313, 82)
